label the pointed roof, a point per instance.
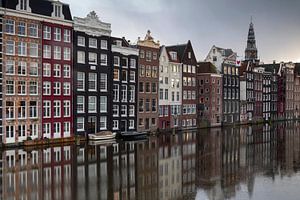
(179, 49)
(251, 50)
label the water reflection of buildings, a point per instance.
(170, 167)
(218, 162)
(37, 174)
(147, 170)
(106, 172)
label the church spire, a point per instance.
(251, 50)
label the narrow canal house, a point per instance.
(170, 89)
(209, 105)
(124, 85)
(92, 69)
(184, 54)
(23, 58)
(297, 91)
(225, 61)
(148, 83)
(57, 71)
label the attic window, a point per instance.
(57, 10)
(173, 55)
(189, 55)
(119, 43)
(23, 5)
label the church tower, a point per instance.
(251, 50)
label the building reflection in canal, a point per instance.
(208, 164)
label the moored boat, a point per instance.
(104, 135)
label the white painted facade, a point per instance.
(170, 80)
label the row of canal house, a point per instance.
(64, 75)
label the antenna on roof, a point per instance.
(251, 19)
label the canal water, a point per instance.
(257, 162)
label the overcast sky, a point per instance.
(223, 23)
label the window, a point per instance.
(56, 70)
(147, 87)
(47, 109)
(80, 104)
(47, 51)
(124, 76)
(46, 88)
(10, 131)
(67, 71)
(116, 75)
(22, 87)
(147, 105)
(166, 94)
(56, 88)
(81, 41)
(57, 53)
(22, 68)
(124, 93)
(154, 88)
(103, 82)
(67, 127)
(141, 105)
(22, 48)
(22, 130)
(10, 47)
(33, 109)
(10, 67)
(10, 26)
(93, 42)
(161, 94)
(67, 89)
(22, 110)
(131, 97)
(148, 71)
(10, 110)
(132, 63)
(80, 81)
(154, 105)
(57, 34)
(148, 55)
(142, 70)
(67, 53)
(103, 59)
(132, 76)
(103, 122)
(173, 55)
(141, 87)
(103, 44)
(46, 70)
(115, 124)
(57, 128)
(92, 82)
(47, 33)
(80, 124)
(92, 104)
(131, 124)
(92, 58)
(154, 56)
(10, 87)
(131, 110)
(81, 57)
(67, 35)
(125, 62)
(56, 105)
(103, 104)
(22, 28)
(115, 110)
(116, 61)
(46, 129)
(142, 54)
(116, 93)
(123, 110)
(57, 10)
(33, 69)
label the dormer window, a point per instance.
(189, 55)
(57, 10)
(173, 55)
(119, 43)
(23, 5)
